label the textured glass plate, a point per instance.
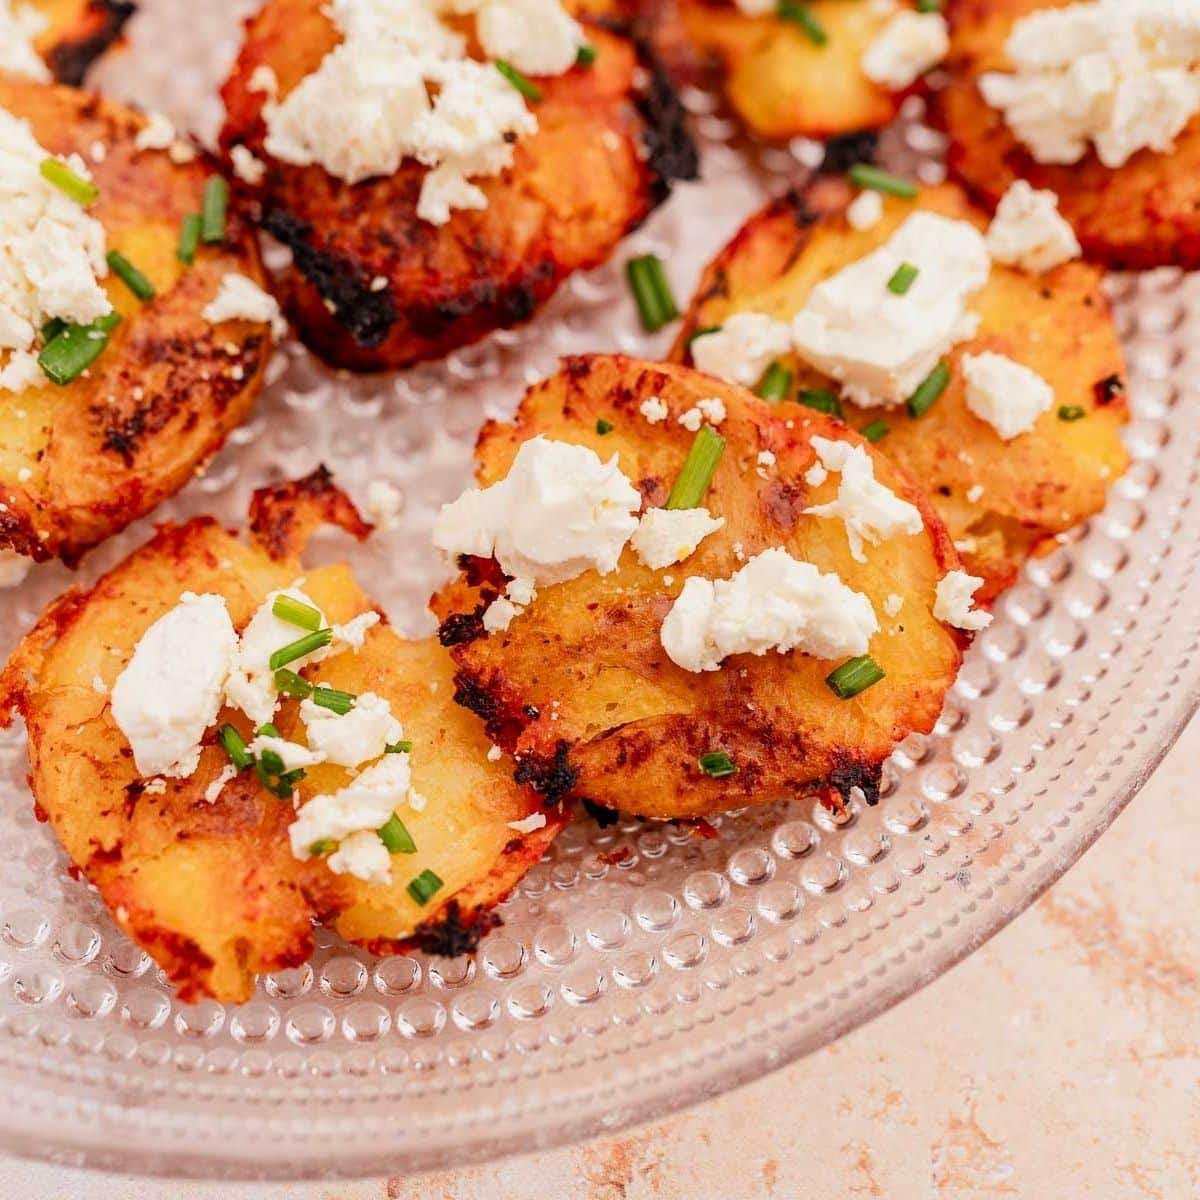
(639, 968)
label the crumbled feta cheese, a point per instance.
(416, 801)
(536, 36)
(743, 348)
(881, 345)
(170, 691)
(385, 503)
(293, 756)
(19, 25)
(14, 568)
(774, 602)
(766, 458)
(1117, 74)
(363, 855)
(872, 512)
(815, 475)
(359, 736)
(1029, 232)
(909, 45)
(692, 420)
(354, 632)
(667, 536)
(213, 791)
(654, 409)
(529, 824)
(865, 211)
(263, 80)
(757, 8)
(893, 604)
(157, 134)
(954, 600)
(246, 166)
(499, 615)
(974, 493)
(713, 409)
(494, 754)
(155, 787)
(1008, 396)
(239, 298)
(559, 512)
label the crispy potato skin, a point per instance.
(78, 32)
(212, 890)
(78, 463)
(576, 188)
(580, 686)
(1058, 324)
(1144, 214)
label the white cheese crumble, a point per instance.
(494, 754)
(1119, 75)
(246, 166)
(872, 512)
(713, 409)
(667, 536)
(170, 691)
(293, 756)
(879, 345)
(239, 298)
(1005, 394)
(356, 737)
(775, 602)
(757, 8)
(655, 409)
(529, 824)
(157, 134)
(1029, 232)
(536, 36)
(953, 603)
(743, 348)
(559, 512)
(227, 773)
(909, 45)
(974, 493)
(865, 211)
(19, 25)
(692, 419)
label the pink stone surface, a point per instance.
(1060, 1062)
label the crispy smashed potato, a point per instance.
(580, 687)
(77, 32)
(1002, 501)
(210, 888)
(1144, 214)
(80, 462)
(373, 287)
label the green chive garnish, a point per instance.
(216, 204)
(322, 848)
(876, 431)
(603, 426)
(655, 300)
(396, 838)
(75, 348)
(905, 276)
(270, 762)
(934, 384)
(398, 748)
(822, 399)
(189, 238)
(317, 640)
(52, 329)
(703, 331)
(1071, 412)
(698, 470)
(717, 765)
(235, 746)
(776, 383)
(526, 87)
(586, 56)
(291, 684)
(854, 677)
(82, 191)
(330, 698)
(424, 887)
(295, 612)
(802, 15)
(864, 175)
(928, 6)
(270, 729)
(130, 276)
(272, 776)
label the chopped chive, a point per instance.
(717, 764)
(130, 276)
(934, 384)
(586, 55)
(801, 14)
(322, 848)
(291, 684)
(396, 837)
(776, 383)
(698, 470)
(337, 702)
(1071, 412)
(75, 348)
(929, 6)
(703, 331)
(864, 175)
(854, 677)
(82, 191)
(822, 399)
(905, 276)
(52, 329)
(526, 87)
(295, 612)
(655, 300)
(424, 887)
(603, 426)
(235, 746)
(398, 748)
(317, 640)
(270, 729)
(216, 204)
(272, 763)
(876, 431)
(273, 777)
(189, 238)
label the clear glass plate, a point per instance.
(639, 968)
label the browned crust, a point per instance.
(283, 517)
(80, 31)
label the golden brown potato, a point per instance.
(211, 889)
(77, 32)
(1144, 214)
(78, 463)
(780, 82)
(604, 155)
(580, 688)
(1058, 324)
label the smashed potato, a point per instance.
(1002, 501)
(1144, 214)
(210, 887)
(373, 287)
(77, 32)
(80, 462)
(580, 688)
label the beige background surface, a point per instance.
(1060, 1062)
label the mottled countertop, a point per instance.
(1060, 1061)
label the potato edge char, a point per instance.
(78, 32)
